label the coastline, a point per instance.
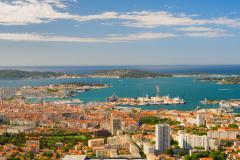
(183, 86)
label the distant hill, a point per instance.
(118, 73)
(126, 73)
(17, 74)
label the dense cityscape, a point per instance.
(45, 130)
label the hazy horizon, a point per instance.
(178, 69)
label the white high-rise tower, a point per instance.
(162, 137)
(116, 124)
(1, 102)
(200, 120)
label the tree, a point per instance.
(233, 126)
(156, 120)
(30, 155)
(215, 127)
(169, 152)
(228, 143)
(198, 147)
(48, 154)
(58, 155)
(173, 142)
(216, 155)
(182, 152)
(187, 157)
(237, 115)
(196, 156)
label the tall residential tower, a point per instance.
(162, 137)
(116, 124)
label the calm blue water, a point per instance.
(191, 90)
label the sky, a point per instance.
(119, 32)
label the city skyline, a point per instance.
(138, 32)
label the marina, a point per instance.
(234, 103)
(146, 101)
(229, 104)
(209, 101)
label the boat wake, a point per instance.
(225, 89)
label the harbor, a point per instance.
(184, 87)
(210, 101)
(225, 104)
(147, 100)
(234, 103)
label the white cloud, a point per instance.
(226, 21)
(107, 39)
(209, 34)
(22, 12)
(147, 19)
(156, 19)
(141, 36)
(206, 32)
(198, 29)
(43, 38)
(111, 38)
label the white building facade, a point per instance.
(190, 141)
(162, 134)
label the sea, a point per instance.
(189, 88)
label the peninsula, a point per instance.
(50, 91)
(126, 73)
(118, 73)
(18, 74)
(222, 80)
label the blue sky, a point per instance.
(119, 32)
